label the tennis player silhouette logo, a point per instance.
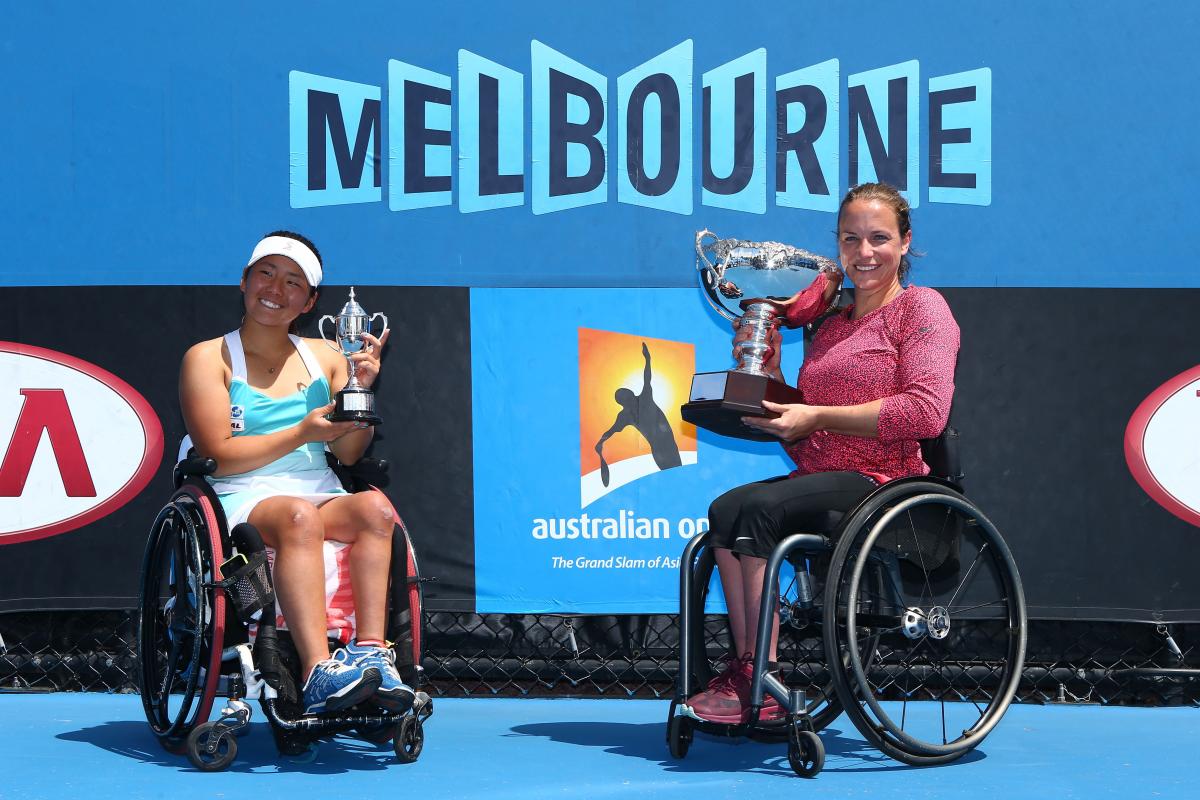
(641, 412)
(630, 390)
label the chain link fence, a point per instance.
(472, 655)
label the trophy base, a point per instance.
(354, 405)
(719, 400)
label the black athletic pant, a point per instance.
(750, 520)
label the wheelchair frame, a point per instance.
(865, 594)
(185, 615)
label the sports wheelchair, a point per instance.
(208, 612)
(917, 583)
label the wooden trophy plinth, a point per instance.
(719, 400)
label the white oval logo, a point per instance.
(1160, 445)
(76, 443)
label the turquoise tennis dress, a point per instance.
(302, 473)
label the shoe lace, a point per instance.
(729, 677)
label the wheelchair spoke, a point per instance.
(167, 681)
(928, 593)
(1002, 601)
(969, 574)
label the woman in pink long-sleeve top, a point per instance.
(877, 378)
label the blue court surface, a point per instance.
(98, 746)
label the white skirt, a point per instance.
(240, 495)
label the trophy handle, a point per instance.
(702, 247)
(371, 321)
(324, 338)
(711, 275)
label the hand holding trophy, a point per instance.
(759, 286)
(355, 402)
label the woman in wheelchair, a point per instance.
(255, 400)
(877, 377)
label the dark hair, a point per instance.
(312, 290)
(890, 197)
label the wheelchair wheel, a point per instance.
(210, 748)
(931, 593)
(182, 618)
(409, 740)
(800, 647)
(405, 620)
(679, 734)
(806, 753)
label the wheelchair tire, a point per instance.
(913, 618)
(405, 615)
(179, 651)
(806, 753)
(409, 740)
(823, 704)
(223, 746)
(679, 734)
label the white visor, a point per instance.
(297, 251)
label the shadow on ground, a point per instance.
(843, 753)
(256, 751)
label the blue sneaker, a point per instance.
(393, 693)
(336, 686)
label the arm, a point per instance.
(919, 410)
(796, 421)
(647, 390)
(928, 354)
(622, 422)
(204, 401)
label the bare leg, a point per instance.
(364, 521)
(731, 584)
(753, 570)
(292, 527)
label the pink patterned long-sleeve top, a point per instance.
(903, 354)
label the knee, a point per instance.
(375, 514)
(296, 523)
(724, 508)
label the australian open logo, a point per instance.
(630, 390)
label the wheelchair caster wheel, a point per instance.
(211, 749)
(806, 753)
(409, 739)
(679, 735)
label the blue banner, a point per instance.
(550, 144)
(580, 505)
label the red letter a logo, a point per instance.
(45, 410)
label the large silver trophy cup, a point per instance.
(355, 402)
(759, 286)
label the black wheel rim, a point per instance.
(175, 617)
(923, 618)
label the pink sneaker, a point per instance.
(771, 711)
(725, 699)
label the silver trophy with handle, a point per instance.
(760, 286)
(355, 402)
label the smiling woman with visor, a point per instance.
(256, 401)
